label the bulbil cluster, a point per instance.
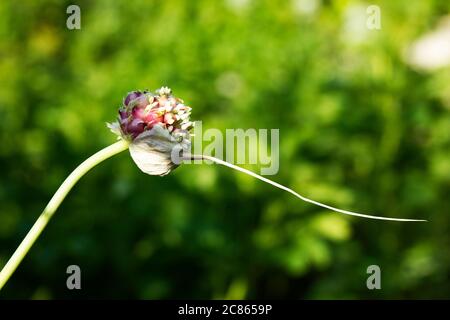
(142, 110)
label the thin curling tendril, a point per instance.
(280, 186)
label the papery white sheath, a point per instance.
(152, 151)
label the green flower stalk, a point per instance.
(54, 203)
(154, 127)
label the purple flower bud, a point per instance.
(131, 96)
(135, 127)
(142, 110)
(122, 114)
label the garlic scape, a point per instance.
(154, 127)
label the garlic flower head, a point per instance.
(157, 127)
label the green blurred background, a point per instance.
(359, 129)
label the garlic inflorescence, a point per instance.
(157, 127)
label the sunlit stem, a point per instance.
(275, 184)
(53, 205)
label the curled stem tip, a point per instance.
(280, 186)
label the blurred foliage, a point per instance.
(359, 129)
